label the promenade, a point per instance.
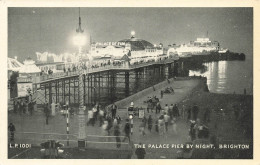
(33, 130)
(35, 124)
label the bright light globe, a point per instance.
(132, 33)
(79, 40)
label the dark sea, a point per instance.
(228, 76)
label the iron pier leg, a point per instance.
(50, 93)
(84, 86)
(91, 85)
(126, 84)
(45, 86)
(99, 87)
(56, 91)
(63, 91)
(88, 91)
(69, 91)
(74, 84)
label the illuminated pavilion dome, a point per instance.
(29, 67)
(138, 44)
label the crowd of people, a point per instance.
(23, 105)
(162, 120)
(166, 120)
(142, 60)
(153, 103)
(110, 123)
(106, 118)
(165, 117)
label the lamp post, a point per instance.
(80, 40)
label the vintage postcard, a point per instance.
(93, 81)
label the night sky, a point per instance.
(33, 30)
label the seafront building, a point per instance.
(13, 65)
(58, 62)
(199, 47)
(135, 50)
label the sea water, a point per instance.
(228, 76)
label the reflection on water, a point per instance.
(227, 76)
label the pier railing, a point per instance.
(122, 66)
(87, 70)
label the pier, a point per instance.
(111, 83)
(104, 84)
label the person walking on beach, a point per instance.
(166, 121)
(15, 105)
(104, 129)
(30, 108)
(158, 107)
(127, 130)
(11, 128)
(101, 117)
(110, 124)
(47, 112)
(150, 123)
(161, 125)
(171, 111)
(157, 126)
(192, 130)
(118, 118)
(161, 94)
(149, 106)
(154, 101)
(132, 125)
(188, 113)
(166, 109)
(176, 111)
(174, 125)
(90, 118)
(145, 121)
(141, 128)
(95, 112)
(198, 125)
(22, 106)
(195, 111)
(117, 134)
(115, 122)
(19, 107)
(114, 109)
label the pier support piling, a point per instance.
(126, 84)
